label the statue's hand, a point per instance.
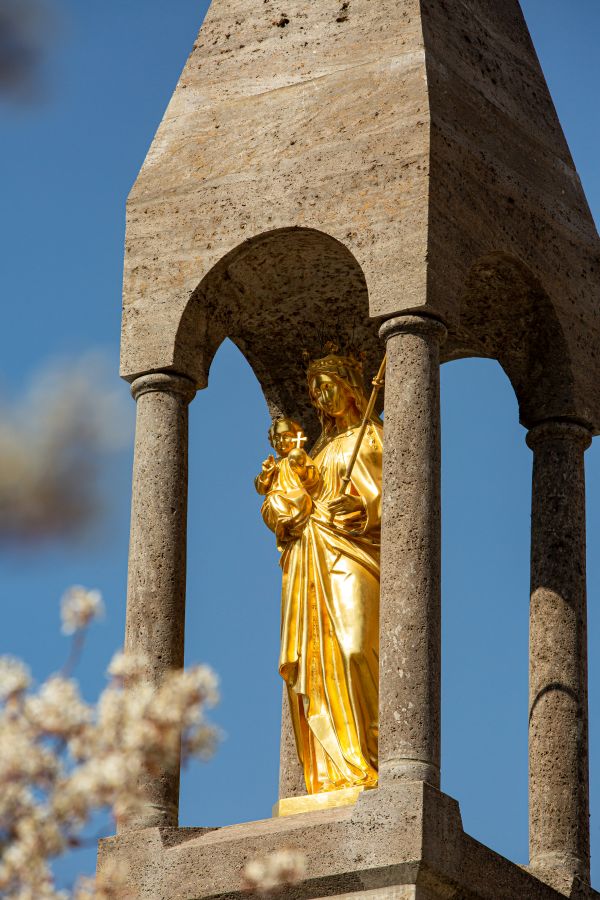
(345, 504)
(269, 464)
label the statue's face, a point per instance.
(282, 437)
(330, 395)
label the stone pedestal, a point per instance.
(401, 843)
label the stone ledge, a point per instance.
(405, 841)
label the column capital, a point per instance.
(164, 382)
(414, 324)
(558, 430)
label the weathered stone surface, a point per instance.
(416, 144)
(412, 839)
(558, 714)
(398, 892)
(402, 892)
(291, 776)
(504, 193)
(410, 608)
(279, 127)
(157, 551)
(317, 171)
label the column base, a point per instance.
(401, 770)
(561, 873)
(153, 815)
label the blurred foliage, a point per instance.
(26, 27)
(54, 440)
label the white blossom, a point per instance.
(201, 742)
(128, 666)
(58, 708)
(14, 677)
(79, 607)
(274, 871)
(23, 759)
(62, 760)
(24, 866)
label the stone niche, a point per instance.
(396, 166)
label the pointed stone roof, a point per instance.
(326, 161)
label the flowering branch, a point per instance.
(61, 759)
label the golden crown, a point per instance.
(348, 367)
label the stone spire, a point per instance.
(360, 161)
(418, 133)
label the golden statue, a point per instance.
(286, 482)
(326, 514)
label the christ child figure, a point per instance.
(286, 481)
(293, 466)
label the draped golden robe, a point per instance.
(330, 615)
(288, 503)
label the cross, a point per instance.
(299, 440)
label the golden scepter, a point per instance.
(377, 385)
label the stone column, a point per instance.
(157, 552)
(291, 775)
(558, 718)
(409, 703)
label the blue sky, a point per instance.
(68, 163)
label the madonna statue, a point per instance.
(330, 544)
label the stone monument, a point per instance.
(397, 163)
